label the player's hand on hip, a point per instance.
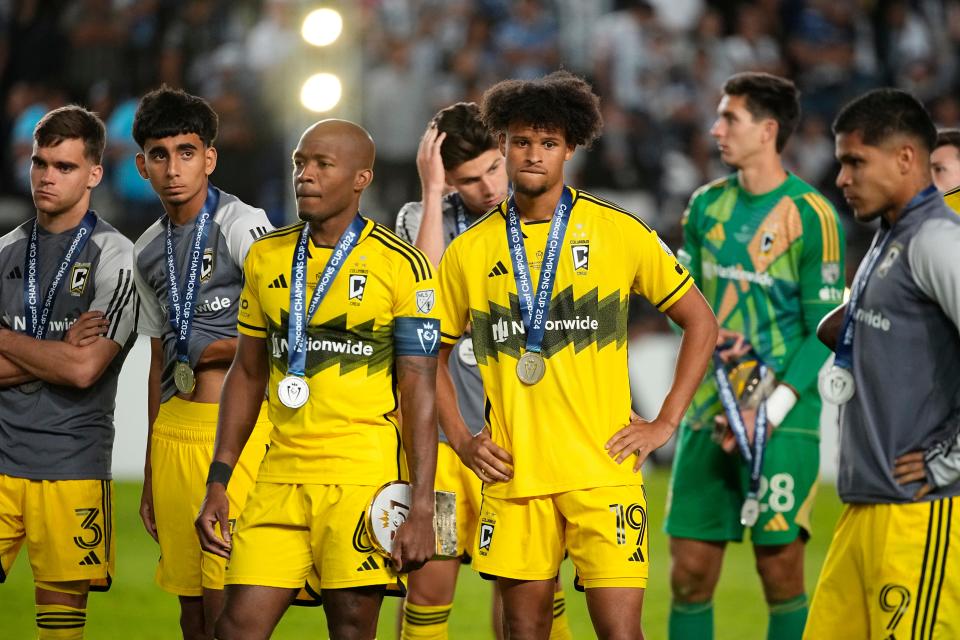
(429, 162)
(639, 438)
(485, 458)
(911, 467)
(416, 542)
(734, 345)
(214, 515)
(89, 327)
(146, 508)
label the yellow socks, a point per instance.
(422, 622)
(60, 622)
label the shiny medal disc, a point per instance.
(837, 385)
(183, 377)
(749, 512)
(293, 392)
(531, 367)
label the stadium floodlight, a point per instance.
(322, 27)
(321, 92)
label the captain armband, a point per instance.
(416, 336)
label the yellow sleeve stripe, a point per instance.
(828, 226)
(674, 295)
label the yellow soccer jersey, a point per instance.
(952, 198)
(382, 299)
(557, 428)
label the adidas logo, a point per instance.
(498, 270)
(637, 556)
(369, 564)
(280, 282)
(15, 274)
(777, 523)
(90, 559)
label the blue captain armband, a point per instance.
(416, 336)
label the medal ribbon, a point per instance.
(298, 318)
(533, 311)
(754, 457)
(181, 315)
(39, 317)
(461, 213)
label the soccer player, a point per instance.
(768, 252)
(189, 275)
(331, 363)
(945, 161)
(456, 150)
(57, 391)
(891, 570)
(560, 457)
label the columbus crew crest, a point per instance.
(357, 285)
(78, 278)
(209, 264)
(581, 256)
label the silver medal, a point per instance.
(836, 385)
(749, 512)
(183, 377)
(293, 392)
(531, 368)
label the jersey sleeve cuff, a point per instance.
(446, 338)
(250, 330)
(676, 294)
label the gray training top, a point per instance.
(906, 357)
(234, 228)
(60, 432)
(463, 364)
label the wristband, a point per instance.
(219, 472)
(780, 403)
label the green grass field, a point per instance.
(136, 608)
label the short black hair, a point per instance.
(768, 96)
(560, 101)
(467, 137)
(70, 123)
(882, 113)
(166, 112)
(947, 138)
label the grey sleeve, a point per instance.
(242, 228)
(150, 320)
(116, 293)
(933, 261)
(943, 459)
(408, 221)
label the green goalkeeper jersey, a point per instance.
(771, 266)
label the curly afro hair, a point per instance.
(560, 101)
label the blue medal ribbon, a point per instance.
(39, 317)
(753, 457)
(534, 310)
(460, 212)
(300, 317)
(181, 315)
(844, 350)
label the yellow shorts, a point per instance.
(891, 572)
(604, 530)
(453, 475)
(292, 535)
(67, 524)
(180, 455)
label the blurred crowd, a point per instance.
(658, 65)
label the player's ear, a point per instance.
(502, 143)
(142, 166)
(96, 175)
(363, 179)
(210, 160)
(906, 157)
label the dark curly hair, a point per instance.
(166, 112)
(467, 138)
(560, 101)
